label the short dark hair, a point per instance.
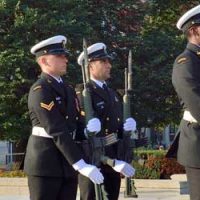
(188, 32)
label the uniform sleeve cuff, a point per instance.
(79, 164)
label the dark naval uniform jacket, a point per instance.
(186, 81)
(55, 108)
(108, 109)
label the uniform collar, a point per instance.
(98, 82)
(194, 48)
(54, 83)
(57, 79)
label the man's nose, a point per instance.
(109, 65)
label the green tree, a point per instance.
(24, 23)
(160, 42)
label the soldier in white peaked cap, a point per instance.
(108, 108)
(186, 81)
(52, 156)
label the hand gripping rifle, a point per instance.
(95, 144)
(128, 141)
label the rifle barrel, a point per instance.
(130, 61)
(86, 60)
(130, 70)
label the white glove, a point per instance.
(130, 124)
(90, 171)
(124, 168)
(93, 125)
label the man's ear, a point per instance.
(90, 66)
(193, 31)
(43, 60)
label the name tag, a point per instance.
(100, 104)
(58, 99)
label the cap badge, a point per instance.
(63, 43)
(105, 51)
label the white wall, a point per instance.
(4, 149)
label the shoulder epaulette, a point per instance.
(78, 92)
(37, 87)
(79, 88)
(182, 60)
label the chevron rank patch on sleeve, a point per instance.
(47, 106)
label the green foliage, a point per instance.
(143, 172)
(11, 174)
(147, 153)
(24, 23)
(152, 164)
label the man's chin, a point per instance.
(63, 73)
(108, 77)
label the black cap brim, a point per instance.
(53, 52)
(101, 57)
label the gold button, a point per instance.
(107, 118)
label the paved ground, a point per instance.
(142, 195)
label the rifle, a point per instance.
(128, 141)
(95, 144)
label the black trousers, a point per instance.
(112, 181)
(52, 188)
(193, 178)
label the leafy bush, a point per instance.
(147, 153)
(155, 165)
(16, 173)
(166, 166)
(143, 172)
